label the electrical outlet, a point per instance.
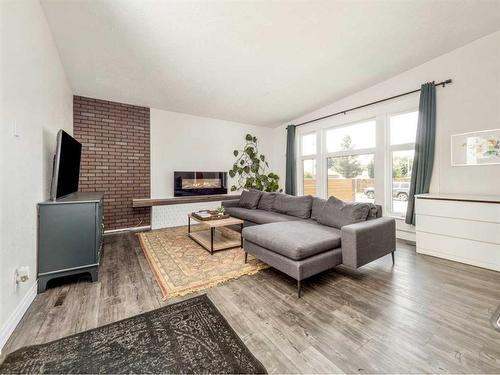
(22, 274)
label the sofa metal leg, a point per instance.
(495, 319)
(246, 257)
(299, 289)
(392, 254)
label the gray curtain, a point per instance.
(291, 165)
(424, 148)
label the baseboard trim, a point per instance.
(133, 229)
(406, 236)
(14, 319)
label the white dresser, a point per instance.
(463, 228)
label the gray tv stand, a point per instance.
(70, 232)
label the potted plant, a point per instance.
(250, 169)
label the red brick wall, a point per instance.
(115, 157)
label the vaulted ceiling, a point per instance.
(260, 62)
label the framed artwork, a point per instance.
(476, 148)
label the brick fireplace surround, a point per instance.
(115, 157)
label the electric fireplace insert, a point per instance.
(199, 183)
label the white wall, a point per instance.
(35, 97)
(471, 102)
(190, 143)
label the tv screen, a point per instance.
(66, 172)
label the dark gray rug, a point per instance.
(187, 337)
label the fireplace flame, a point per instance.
(203, 183)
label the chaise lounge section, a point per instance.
(303, 236)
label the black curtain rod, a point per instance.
(443, 83)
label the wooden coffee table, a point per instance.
(213, 240)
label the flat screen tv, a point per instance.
(66, 171)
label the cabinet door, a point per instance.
(67, 236)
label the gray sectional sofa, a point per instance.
(302, 236)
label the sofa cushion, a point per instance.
(375, 211)
(250, 198)
(266, 201)
(258, 216)
(294, 206)
(372, 211)
(317, 207)
(295, 239)
(337, 213)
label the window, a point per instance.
(309, 166)
(354, 137)
(309, 144)
(402, 130)
(365, 161)
(350, 168)
(308, 156)
(351, 178)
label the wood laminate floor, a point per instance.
(423, 315)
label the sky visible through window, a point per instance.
(309, 144)
(362, 135)
(403, 128)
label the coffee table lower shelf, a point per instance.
(216, 243)
(212, 239)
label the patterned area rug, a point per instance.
(186, 337)
(182, 266)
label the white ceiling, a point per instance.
(259, 62)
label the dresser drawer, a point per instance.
(460, 228)
(459, 209)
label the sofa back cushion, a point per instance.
(293, 206)
(375, 211)
(317, 207)
(250, 199)
(337, 213)
(266, 201)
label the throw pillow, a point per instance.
(337, 213)
(317, 207)
(293, 206)
(250, 199)
(374, 212)
(266, 201)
